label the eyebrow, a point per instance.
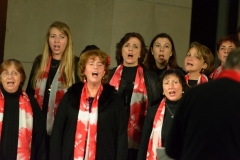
(160, 43)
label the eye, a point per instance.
(196, 56)
(62, 37)
(222, 48)
(15, 73)
(135, 46)
(188, 55)
(166, 46)
(157, 45)
(52, 36)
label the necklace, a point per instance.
(55, 65)
(172, 115)
(50, 85)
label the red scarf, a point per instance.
(138, 105)
(56, 94)
(86, 131)
(155, 140)
(25, 125)
(216, 72)
(231, 74)
(202, 79)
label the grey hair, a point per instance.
(233, 59)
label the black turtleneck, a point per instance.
(9, 137)
(192, 83)
(167, 121)
(128, 76)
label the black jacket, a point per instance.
(151, 82)
(206, 125)
(111, 127)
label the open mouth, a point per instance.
(130, 55)
(172, 93)
(56, 46)
(10, 82)
(94, 74)
(189, 64)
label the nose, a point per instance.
(171, 85)
(161, 48)
(130, 48)
(56, 39)
(227, 50)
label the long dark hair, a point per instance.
(123, 40)
(150, 61)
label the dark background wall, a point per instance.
(3, 17)
(211, 19)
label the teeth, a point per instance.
(130, 55)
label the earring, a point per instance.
(84, 80)
(152, 53)
(163, 93)
(170, 55)
(182, 91)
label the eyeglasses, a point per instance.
(13, 73)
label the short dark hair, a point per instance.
(89, 47)
(231, 38)
(238, 30)
(123, 40)
(175, 72)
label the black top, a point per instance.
(167, 121)
(148, 126)
(53, 69)
(206, 125)
(111, 126)
(10, 128)
(128, 75)
(192, 83)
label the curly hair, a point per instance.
(123, 40)
(92, 54)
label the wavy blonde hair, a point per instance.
(67, 66)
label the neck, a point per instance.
(194, 75)
(130, 64)
(161, 65)
(57, 57)
(93, 89)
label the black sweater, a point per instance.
(206, 125)
(9, 137)
(111, 127)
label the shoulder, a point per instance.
(76, 59)
(38, 59)
(149, 73)
(108, 95)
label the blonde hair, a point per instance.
(92, 54)
(67, 66)
(204, 53)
